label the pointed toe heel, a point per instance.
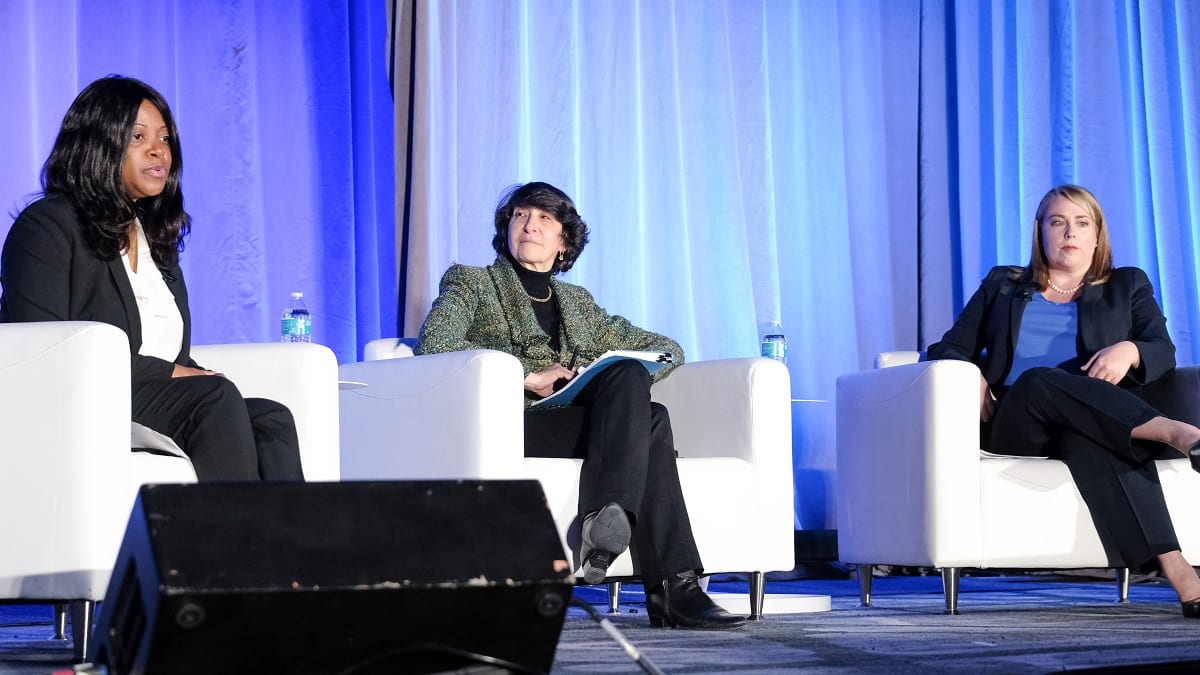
(680, 603)
(1191, 609)
(1193, 454)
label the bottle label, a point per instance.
(774, 349)
(288, 326)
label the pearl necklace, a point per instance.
(1064, 291)
(545, 299)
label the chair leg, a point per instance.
(614, 597)
(950, 587)
(82, 612)
(1123, 584)
(60, 621)
(758, 589)
(865, 572)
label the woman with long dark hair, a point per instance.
(102, 244)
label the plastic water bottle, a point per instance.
(774, 344)
(297, 322)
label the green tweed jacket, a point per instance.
(487, 308)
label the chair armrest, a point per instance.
(301, 376)
(388, 348)
(908, 465)
(738, 408)
(452, 415)
(1176, 394)
(729, 407)
(896, 358)
(64, 444)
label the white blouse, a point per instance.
(162, 324)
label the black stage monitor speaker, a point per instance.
(373, 577)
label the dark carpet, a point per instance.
(1009, 624)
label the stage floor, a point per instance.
(1009, 624)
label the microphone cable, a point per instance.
(638, 657)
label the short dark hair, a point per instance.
(548, 198)
(85, 167)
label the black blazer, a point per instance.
(1122, 308)
(49, 273)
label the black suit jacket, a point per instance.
(1123, 308)
(49, 273)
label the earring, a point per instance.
(560, 256)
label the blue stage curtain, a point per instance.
(286, 123)
(1019, 96)
(853, 168)
(737, 162)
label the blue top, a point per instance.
(1047, 336)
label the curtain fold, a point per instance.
(737, 162)
(286, 124)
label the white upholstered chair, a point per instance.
(459, 415)
(915, 489)
(67, 476)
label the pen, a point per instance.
(574, 357)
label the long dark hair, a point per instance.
(85, 167)
(548, 198)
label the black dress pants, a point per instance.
(227, 437)
(629, 458)
(1086, 422)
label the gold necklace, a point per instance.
(545, 299)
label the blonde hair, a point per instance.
(1101, 267)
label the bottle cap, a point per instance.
(296, 295)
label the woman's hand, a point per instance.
(1112, 363)
(184, 371)
(541, 382)
(987, 401)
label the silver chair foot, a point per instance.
(758, 589)
(82, 614)
(60, 621)
(614, 597)
(950, 577)
(865, 572)
(1123, 585)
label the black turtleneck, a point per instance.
(537, 285)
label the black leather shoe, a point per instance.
(605, 536)
(680, 603)
(1193, 454)
(1191, 608)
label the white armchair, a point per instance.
(915, 489)
(303, 377)
(459, 415)
(67, 477)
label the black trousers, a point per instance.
(1087, 423)
(629, 458)
(226, 436)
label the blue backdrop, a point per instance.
(285, 121)
(851, 168)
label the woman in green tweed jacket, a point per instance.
(629, 484)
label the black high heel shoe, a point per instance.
(680, 603)
(1193, 454)
(605, 536)
(1191, 609)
